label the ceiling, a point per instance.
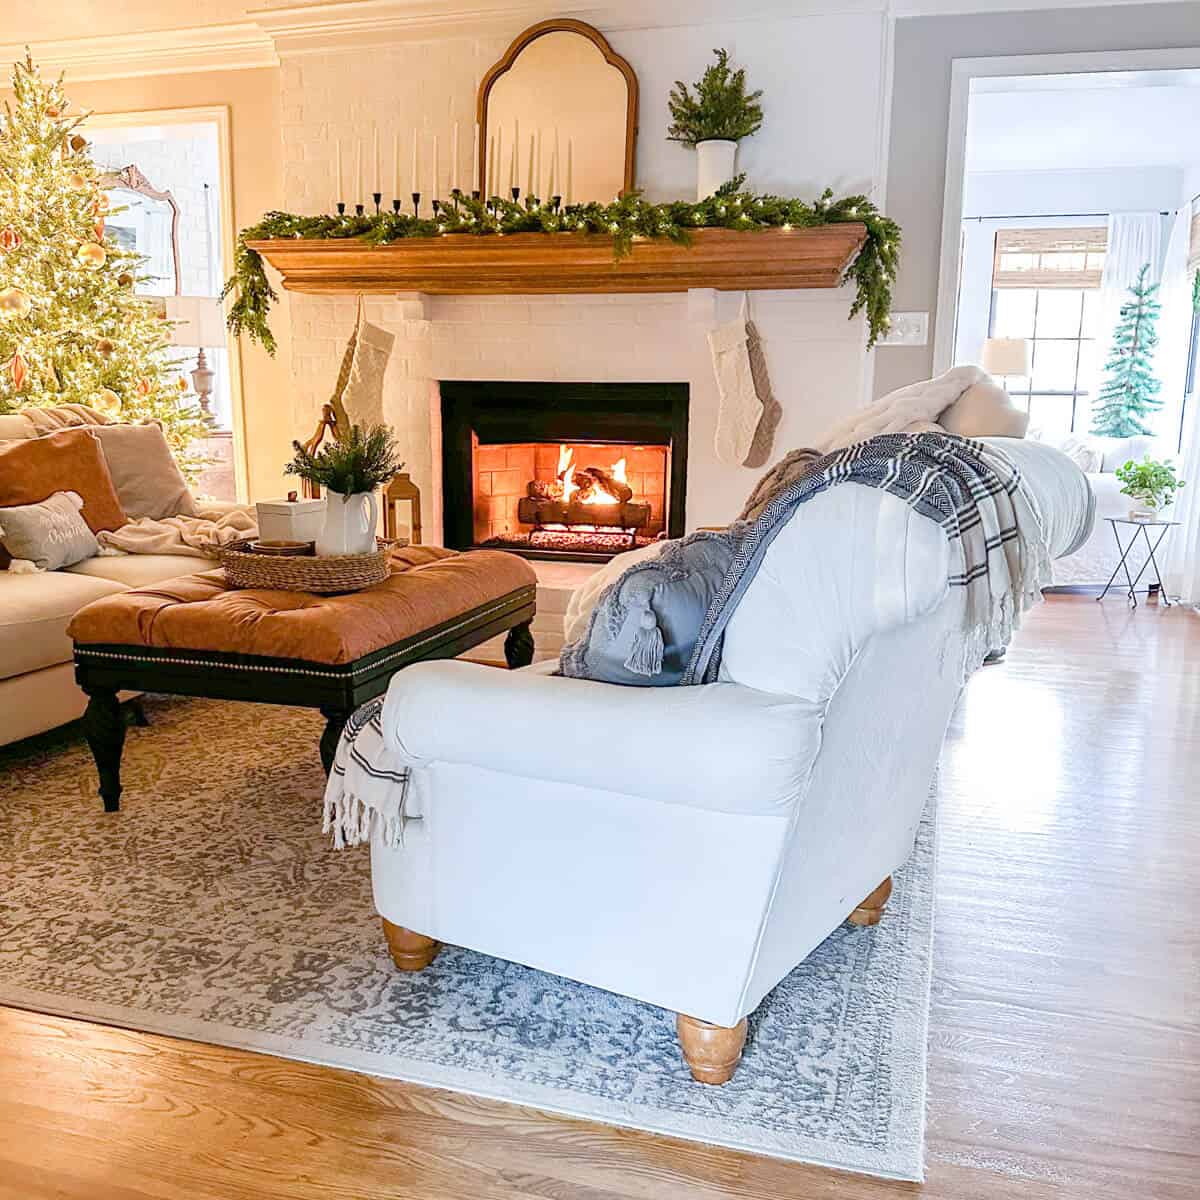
(1085, 121)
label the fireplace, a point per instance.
(576, 471)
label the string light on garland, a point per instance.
(72, 327)
(872, 271)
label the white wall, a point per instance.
(823, 98)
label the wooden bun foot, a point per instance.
(410, 951)
(871, 909)
(712, 1052)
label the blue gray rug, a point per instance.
(211, 908)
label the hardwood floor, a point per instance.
(1065, 1032)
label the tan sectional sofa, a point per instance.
(37, 677)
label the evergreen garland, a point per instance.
(1130, 390)
(873, 269)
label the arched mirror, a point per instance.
(559, 113)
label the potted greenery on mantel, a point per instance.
(714, 120)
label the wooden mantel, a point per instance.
(462, 264)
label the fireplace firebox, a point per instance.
(576, 471)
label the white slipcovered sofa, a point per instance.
(37, 674)
(690, 846)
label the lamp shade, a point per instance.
(1005, 356)
(199, 321)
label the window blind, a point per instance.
(1194, 238)
(1050, 258)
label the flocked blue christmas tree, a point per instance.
(1130, 391)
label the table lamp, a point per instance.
(1005, 357)
(201, 323)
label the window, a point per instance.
(1046, 288)
(1189, 391)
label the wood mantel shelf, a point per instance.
(463, 264)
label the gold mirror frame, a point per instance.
(509, 58)
(130, 179)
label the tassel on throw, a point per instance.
(646, 653)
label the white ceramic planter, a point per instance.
(349, 524)
(714, 165)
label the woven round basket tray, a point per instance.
(304, 573)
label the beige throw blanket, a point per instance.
(199, 537)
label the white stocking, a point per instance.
(741, 408)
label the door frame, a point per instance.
(963, 71)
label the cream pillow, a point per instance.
(985, 409)
(144, 472)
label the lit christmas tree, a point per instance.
(72, 327)
(1130, 390)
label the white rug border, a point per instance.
(910, 1043)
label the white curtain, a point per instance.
(1183, 544)
(1174, 334)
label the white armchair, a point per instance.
(689, 846)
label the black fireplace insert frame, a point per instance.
(634, 414)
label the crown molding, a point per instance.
(162, 52)
(904, 9)
(353, 24)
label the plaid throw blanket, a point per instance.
(972, 490)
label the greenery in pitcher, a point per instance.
(1152, 482)
(364, 460)
(721, 108)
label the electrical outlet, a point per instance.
(907, 329)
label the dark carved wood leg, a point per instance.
(410, 951)
(712, 1052)
(104, 728)
(871, 909)
(137, 714)
(518, 646)
(335, 722)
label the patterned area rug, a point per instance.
(212, 908)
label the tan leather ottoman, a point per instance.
(194, 636)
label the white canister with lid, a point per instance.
(290, 520)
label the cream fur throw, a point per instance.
(911, 409)
(197, 537)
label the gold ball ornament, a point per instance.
(142, 387)
(78, 142)
(53, 111)
(125, 279)
(105, 347)
(107, 402)
(15, 302)
(92, 255)
(77, 181)
(10, 239)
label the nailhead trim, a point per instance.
(83, 652)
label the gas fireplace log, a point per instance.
(539, 489)
(629, 515)
(610, 483)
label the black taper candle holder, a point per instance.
(437, 207)
(456, 196)
(396, 206)
(377, 197)
(557, 202)
(516, 195)
(475, 194)
(341, 207)
(359, 210)
(416, 199)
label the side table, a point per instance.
(1139, 527)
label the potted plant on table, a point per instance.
(714, 120)
(1152, 485)
(350, 470)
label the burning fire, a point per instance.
(566, 472)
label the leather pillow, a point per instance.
(32, 470)
(144, 472)
(984, 410)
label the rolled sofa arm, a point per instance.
(722, 747)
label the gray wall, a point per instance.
(925, 49)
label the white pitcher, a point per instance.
(350, 523)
